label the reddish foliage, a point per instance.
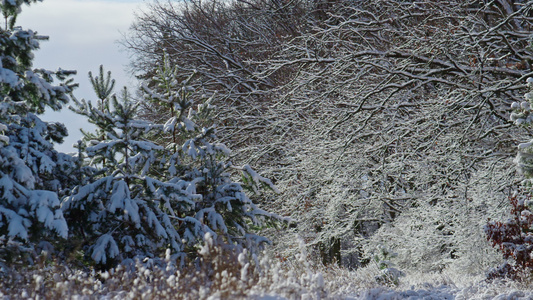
(514, 237)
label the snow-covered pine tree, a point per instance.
(192, 155)
(29, 166)
(121, 212)
(146, 197)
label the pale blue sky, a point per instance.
(83, 35)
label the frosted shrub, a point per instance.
(513, 237)
(389, 275)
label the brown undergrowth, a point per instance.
(218, 273)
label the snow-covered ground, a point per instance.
(223, 275)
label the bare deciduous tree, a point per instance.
(372, 114)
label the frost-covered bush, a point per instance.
(513, 237)
(29, 166)
(389, 275)
(448, 236)
(158, 187)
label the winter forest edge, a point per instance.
(277, 150)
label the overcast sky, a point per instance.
(83, 35)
